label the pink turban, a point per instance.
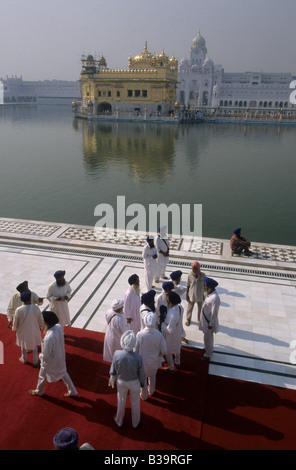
(196, 265)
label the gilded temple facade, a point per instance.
(147, 87)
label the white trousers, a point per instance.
(42, 382)
(149, 387)
(162, 262)
(209, 343)
(172, 359)
(132, 387)
(150, 271)
(35, 355)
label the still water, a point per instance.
(56, 168)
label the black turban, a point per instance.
(50, 318)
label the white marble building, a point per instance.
(15, 90)
(203, 83)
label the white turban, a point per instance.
(163, 231)
(117, 304)
(128, 340)
(150, 320)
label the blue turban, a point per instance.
(150, 237)
(174, 298)
(237, 230)
(209, 282)
(167, 285)
(175, 275)
(57, 274)
(26, 296)
(66, 439)
(148, 297)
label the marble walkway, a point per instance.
(257, 337)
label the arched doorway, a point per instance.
(104, 108)
(205, 98)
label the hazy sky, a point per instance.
(44, 39)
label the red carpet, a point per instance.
(189, 411)
(248, 416)
(171, 419)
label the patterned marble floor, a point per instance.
(257, 313)
(90, 234)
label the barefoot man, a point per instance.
(53, 357)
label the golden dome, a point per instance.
(145, 55)
(163, 56)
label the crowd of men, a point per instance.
(144, 331)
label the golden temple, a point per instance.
(146, 88)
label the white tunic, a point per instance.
(209, 313)
(151, 346)
(161, 299)
(27, 324)
(116, 326)
(16, 302)
(150, 264)
(60, 307)
(172, 329)
(131, 309)
(162, 245)
(179, 289)
(53, 357)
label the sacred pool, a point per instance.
(57, 168)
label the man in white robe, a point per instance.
(149, 255)
(209, 323)
(59, 294)
(132, 303)
(116, 326)
(151, 346)
(161, 299)
(176, 279)
(148, 305)
(16, 302)
(53, 358)
(180, 290)
(163, 248)
(172, 329)
(28, 323)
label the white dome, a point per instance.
(198, 41)
(208, 61)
